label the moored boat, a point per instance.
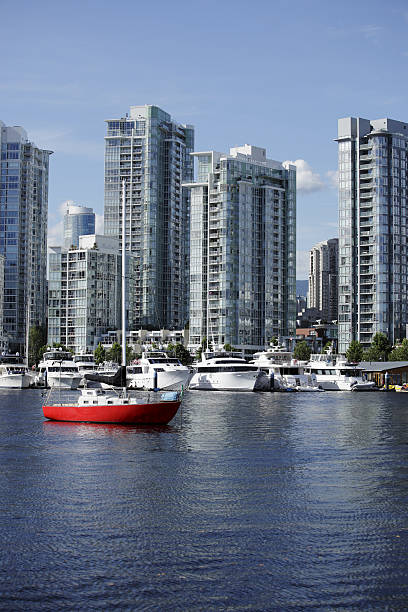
(86, 364)
(224, 372)
(334, 373)
(283, 373)
(14, 372)
(156, 370)
(57, 369)
(101, 406)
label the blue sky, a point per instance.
(270, 73)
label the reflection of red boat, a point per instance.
(99, 406)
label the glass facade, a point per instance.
(372, 230)
(23, 233)
(78, 221)
(151, 153)
(242, 249)
(323, 279)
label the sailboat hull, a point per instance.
(159, 413)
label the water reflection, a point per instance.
(245, 501)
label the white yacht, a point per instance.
(224, 372)
(156, 370)
(57, 369)
(283, 373)
(333, 373)
(86, 365)
(14, 373)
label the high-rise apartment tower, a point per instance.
(242, 249)
(323, 275)
(23, 233)
(151, 153)
(78, 221)
(373, 225)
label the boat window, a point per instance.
(289, 370)
(229, 368)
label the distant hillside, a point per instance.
(302, 287)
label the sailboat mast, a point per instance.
(123, 275)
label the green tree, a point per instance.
(327, 347)
(182, 354)
(379, 349)
(228, 348)
(399, 353)
(37, 337)
(129, 354)
(99, 354)
(115, 353)
(273, 341)
(171, 348)
(354, 352)
(202, 348)
(302, 351)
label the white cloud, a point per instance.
(55, 234)
(333, 176)
(306, 179)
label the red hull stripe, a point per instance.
(146, 414)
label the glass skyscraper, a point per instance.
(373, 225)
(323, 279)
(23, 233)
(78, 221)
(151, 153)
(242, 249)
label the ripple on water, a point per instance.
(244, 502)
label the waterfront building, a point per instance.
(78, 221)
(372, 229)
(242, 249)
(146, 340)
(85, 292)
(323, 275)
(151, 153)
(23, 233)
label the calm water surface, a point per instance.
(245, 502)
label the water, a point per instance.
(245, 502)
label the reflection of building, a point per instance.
(323, 274)
(373, 219)
(23, 233)
(78, 221)
(243, 243)
(85, 292)
(151, 153)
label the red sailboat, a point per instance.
(114, 405)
